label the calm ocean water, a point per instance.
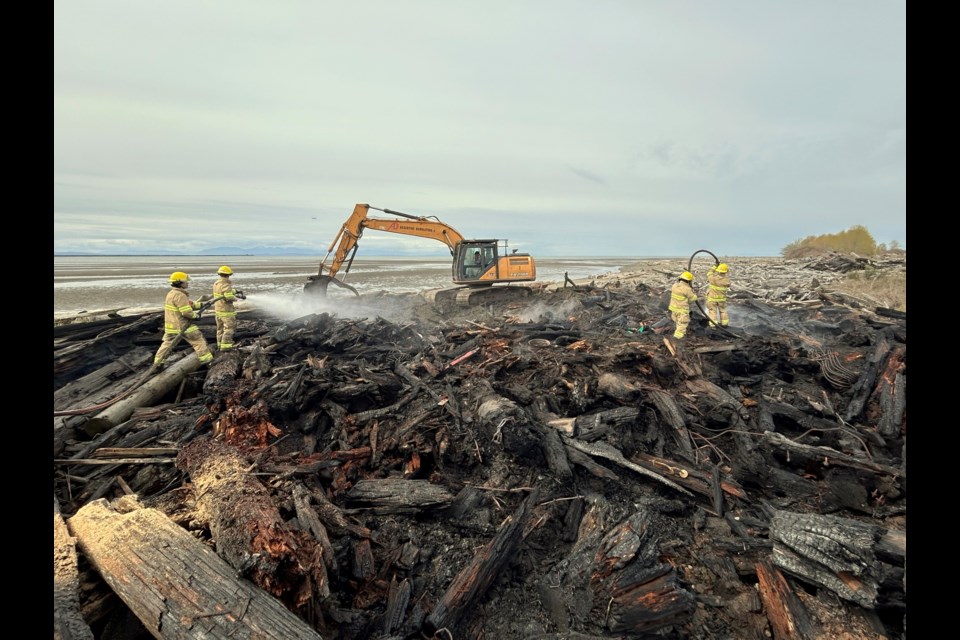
(88, 284)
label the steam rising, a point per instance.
(290, 306)
(543, 312)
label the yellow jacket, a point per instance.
(717, 286)
(225, 295)
(178, 311)
(681, 295)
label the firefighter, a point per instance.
(225, 295)
(681, 295)
(179, 312)
(718, 283)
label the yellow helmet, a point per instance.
(686, 275)
(225, 271)
(722, 267)
(179, 276)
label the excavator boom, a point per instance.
(344, 245)
(476, 263)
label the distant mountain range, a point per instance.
(240, 251)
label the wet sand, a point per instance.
(99, 285)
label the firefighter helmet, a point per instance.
(179, 276)
(722, 267)
(686, 275)
(225, 271)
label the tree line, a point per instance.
(857, 239)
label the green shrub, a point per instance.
(856, 239)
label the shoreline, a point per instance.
(631, 273)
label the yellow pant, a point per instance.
(193, 336)
(682, 320)
(226, 325)
(718, 312)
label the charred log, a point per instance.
(245, 524)
(473, 580)
(175, 584)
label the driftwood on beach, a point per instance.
(555, 468)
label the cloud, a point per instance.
(572, 128)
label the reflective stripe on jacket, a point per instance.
(177, 311)
(719, 284)
(225, 295)
(681, 295)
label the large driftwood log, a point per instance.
(473, 580)
(79, 358)
(147, 394)
(176, 585)
(68, 622)
(223, 371)
(76, 401)
(83, 391)
(851, 558)
(247, 527)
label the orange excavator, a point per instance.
(477, 265)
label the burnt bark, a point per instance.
(840, 554)
(175, 584)
(247, 527)
(472, 582)
(68, 622)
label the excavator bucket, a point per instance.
(317, 286)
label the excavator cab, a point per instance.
(479, 263)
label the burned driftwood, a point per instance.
(68, 622)
(536, 469)
(177, 586)
(250, 533)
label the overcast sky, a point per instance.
(569, 127)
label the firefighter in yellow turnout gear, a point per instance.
(225, 295)
(179, 313)
(718, 283)
(681, 296)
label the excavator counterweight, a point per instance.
(479, 267)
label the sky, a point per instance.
(567, 127)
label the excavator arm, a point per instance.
(344, 245)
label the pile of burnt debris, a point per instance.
(555, 468)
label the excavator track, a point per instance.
(473, 296)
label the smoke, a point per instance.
(761, 320)
(290, 306)
(545, 312)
